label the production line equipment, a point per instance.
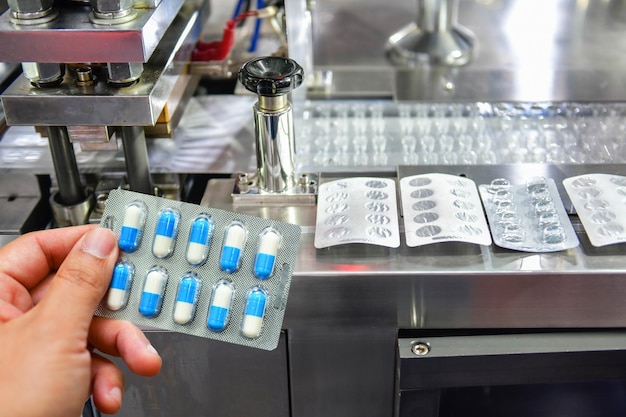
(380, 114)
(99, 74)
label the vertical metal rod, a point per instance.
(275, 148)
(136, 155)
(437, 15)
(71, 191)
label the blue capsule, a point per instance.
(254, 313)
(232, 249)
(165, 234)
(219, 308)
(199, 239)
(187, 298)
(269, 241)
(119, 289)
(153, 291)
(132, 226)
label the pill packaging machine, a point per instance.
(369, 330)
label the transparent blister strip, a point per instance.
(442, 208)
(174, 291)
(528, 217)
(357, 210)
(600, 202)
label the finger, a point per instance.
(46, 251)
(14, 293)
(107, 383)
(38, 291)
(8, 311)
(124, 339)
(81, 281)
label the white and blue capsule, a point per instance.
(153, 292)
(254, 312)
(187, 298)
(132, 226)
(199, 241)
(220, 305)
(269, 242)
(232, 248)
(119, 288)
(165, 233)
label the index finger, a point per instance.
(31, 257)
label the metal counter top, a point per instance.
(526, 50)
(448, 285)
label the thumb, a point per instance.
(82, 279)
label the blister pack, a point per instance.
(357, 210)
(199, 270)
(528, 217)
(599, 201)
(442, 208)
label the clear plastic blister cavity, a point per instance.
(199, 270)
(528, 217)
(357, 210)
(442, 208)
(599, 200)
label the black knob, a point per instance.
(271, 76)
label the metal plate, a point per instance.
(134, 41)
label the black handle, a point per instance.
(271, 76)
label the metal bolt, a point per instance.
(243, 182)
(84, 76)
(123, 74)
(25, 9)
(44, 74)
(111, 8)
(420, 348)
(242, 178)
(101, 202)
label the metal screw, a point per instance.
(101, 202)
(420, 348)
(84, 76)
(243, 182)
(243, 178)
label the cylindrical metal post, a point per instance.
(274, 149)
(71, 191)
(436, 15)
(136, 154)
(272, 78)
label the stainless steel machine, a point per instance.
(476, 88)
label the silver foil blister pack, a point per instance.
(599, 200)
(528, 217)
(357, 210)
(442, 208)
(199, 270)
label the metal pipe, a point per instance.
(136, 155)
(71, 191)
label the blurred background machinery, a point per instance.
(145, 95)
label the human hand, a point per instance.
(50, 285)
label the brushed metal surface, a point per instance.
(134, 41)
(505, 359)
(347, 304)
(525, 51)
(202, 377)
(449, 285)
(137, 105)
(22, 208)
